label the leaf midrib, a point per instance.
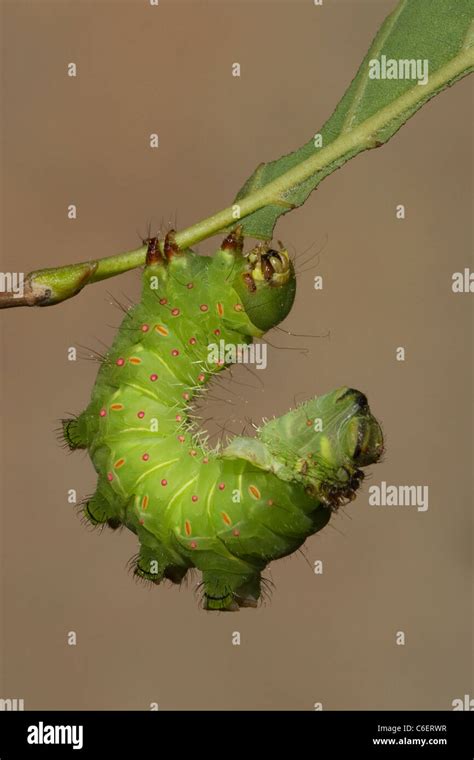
(373, 52)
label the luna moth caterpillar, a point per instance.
(228, 511)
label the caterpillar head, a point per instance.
(266, 284)
(263, 279)
(326, 441)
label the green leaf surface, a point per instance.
(440, 32)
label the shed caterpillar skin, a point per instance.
(227, 512)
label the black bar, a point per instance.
(446, 734)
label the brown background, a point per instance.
(387, 283)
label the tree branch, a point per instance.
(46, 287)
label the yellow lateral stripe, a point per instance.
(143, 391)
(152, 469)
(160, 358)
(178, 493)
(208, 502)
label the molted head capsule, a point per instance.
(267, 286)
(360, 435)
(326, 441)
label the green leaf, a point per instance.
(440, 32)
(372, 110)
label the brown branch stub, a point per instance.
(47, 287)
(33, 295)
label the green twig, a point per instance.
(50, 286)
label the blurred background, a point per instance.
(328, 638)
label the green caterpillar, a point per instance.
(226, 512)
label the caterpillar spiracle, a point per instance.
(228, 511)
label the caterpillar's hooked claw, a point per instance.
(153, 253)
(234, 241)
(170, 247)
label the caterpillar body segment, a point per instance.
(227, 512)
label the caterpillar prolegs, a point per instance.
(227, 512)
